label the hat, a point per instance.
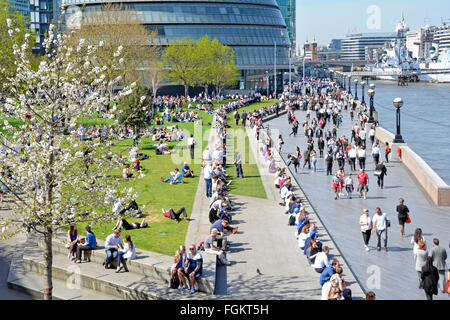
(334, 277)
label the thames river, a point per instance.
(425, 119)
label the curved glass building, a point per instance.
(252, 28)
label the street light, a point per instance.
(356, 87)
(371, 93)
(398, 103)
(363, 84)
(349, 86)
(267, 79)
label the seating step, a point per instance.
(91, 276)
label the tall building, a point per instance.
(354, 46)
(252, 28)
(21, 6)
(287, 8)
(442, 37)
(310, 50)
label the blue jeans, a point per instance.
(169, 179)
(314, 163)
(111, 254)
(208, 187)
(239, 170)
(120, 258)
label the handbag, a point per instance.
(447, 287)
(408, 219)
(377, 173)
(388, 223)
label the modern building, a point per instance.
(442, 37)
(21, 6)
(335, 44)
(252, 28)
(287, 8)
(354, 46)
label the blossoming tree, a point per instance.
(45, 173)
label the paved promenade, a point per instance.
(391, 275)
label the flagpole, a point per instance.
(275, 69)
(290, 56)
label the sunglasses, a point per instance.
(191, 248)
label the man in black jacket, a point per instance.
(381, 169)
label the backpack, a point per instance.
(174, 283)
(291, 220)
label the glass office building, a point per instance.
(252, 28)
(287, 8)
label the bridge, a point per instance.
(343, 63)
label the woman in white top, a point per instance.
(127, 253)
(302, 238)
(366, 226)
(415, 241)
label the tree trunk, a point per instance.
(48, 257)
(186, 90)
(206, 91)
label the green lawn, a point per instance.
(251, 185)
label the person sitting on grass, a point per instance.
(126, 174)
(128, 226)
(175, 177)
(186, 171)
(162, 148)
(175, 215)
(137, 165)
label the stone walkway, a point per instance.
(391, 275)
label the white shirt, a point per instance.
(207, 172)
(325, 289)
(206, 155)
(301, 240)
(372, 132)
(375, 150)
(130, 253)
(362, 134)
(283, 192)
(352, 153)
(380, 221)
(361, 153)
(321, 260)
(112, 241)
(191, 141)
(367, 220)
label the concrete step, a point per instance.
(93, 277)
(148, 264)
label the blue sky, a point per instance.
(327, 19)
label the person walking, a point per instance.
(380, 172)
(420, 256)
(387, 151)
(352, 158)
(362, 157)
(418, 237)
(363, 181)
(244, 117)
(207, 175)
(238, 163)
(376, 153)
(439, 257)
(191, 144)
(366, 227)
(306, 158)
(380, 223)
(429, 276)
(321, 146)
(280, 143)
(329, 162)
(236, 117)
(403, 213)
(293, 160)
(312, 155)
(349, 186)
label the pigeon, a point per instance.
(258, 272)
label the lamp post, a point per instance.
(356, 87)
(371, 93)
(349, 86)
(363, 84)
(343, 81)
(267, 79)
(398, 103)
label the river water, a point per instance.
(425, 119)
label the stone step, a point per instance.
(93, 277)
(147, 264)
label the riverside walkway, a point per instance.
(391, 275)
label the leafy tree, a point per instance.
(182, 63)
(12, 20)
(46, 180)
(133, 108)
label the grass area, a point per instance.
(251, 185)
(163, 235)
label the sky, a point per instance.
(328, 19)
